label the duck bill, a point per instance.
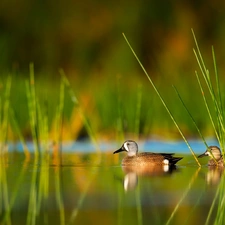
(119, 150)
(202, 155)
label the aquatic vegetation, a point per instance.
(4, 116)
(216, 115)
(163, 102)
(117, 110)
(218, 120)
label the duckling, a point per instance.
(216, 158)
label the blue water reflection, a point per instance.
(177, 146)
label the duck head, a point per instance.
(130, 147)
(213, 152)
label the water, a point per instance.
(92, 188)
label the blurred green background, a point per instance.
(84, 38)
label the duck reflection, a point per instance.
(144, 164)
(215, 165)
(214, 174)
(130, 181)
(133, 172)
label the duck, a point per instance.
(216, 157)
(134, 158)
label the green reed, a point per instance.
(4, 123)
(18, 131)
(60, 111)
(4, 115)
(43, 127)
(218, 202)
(4, 191)
(32, 109)
(139, 206)
(32, 211)
(14, 194)
(133, 119)
(5, 118)
(185, 193)
(76, 103)
(138, 112)
(108, 117)
(38, 114)
(162, 101)
(59, 196)
(217, 121)
(220, 216)
(215, 93)
(192, 118)
(43, 187)
(59, 128)
(119, 121)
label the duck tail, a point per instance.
(174, 160)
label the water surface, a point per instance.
(93, 188)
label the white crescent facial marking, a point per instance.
(126, 146)
(166, 162)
